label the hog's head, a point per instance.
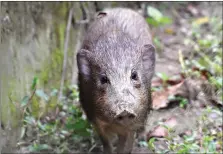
(120, 73)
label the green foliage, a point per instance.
(39, 147)
(24, 101)
(151, 143)
(163, 77)
(205, 61)
(158, 44)
(41, 94)
(156, 17)
(50, 131)
(182, 101)
(194, 143)
(34, 83)
(208, 48)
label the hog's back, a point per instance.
(118, 19)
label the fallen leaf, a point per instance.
(161, 131)
(158, 131)
(201, 21)
(169, 31)
(171, 122)
(160, 98)
(192, 89)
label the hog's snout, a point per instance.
(125, 117)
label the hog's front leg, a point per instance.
(125, 143)
(107, 147)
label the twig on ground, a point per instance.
(92, 148)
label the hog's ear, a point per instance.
(83, 62)
(148, 58)
(101, 14)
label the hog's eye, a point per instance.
(134, 75)
(104, 79)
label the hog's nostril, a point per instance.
(125, 116)
(119, 117)
(131, 116)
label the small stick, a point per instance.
(65, 52)
(92, 148)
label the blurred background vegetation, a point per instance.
(39, 104)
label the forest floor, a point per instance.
(192, 123)
(187, 111)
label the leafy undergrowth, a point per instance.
(206, 137)
(65, 129)
(197, 88)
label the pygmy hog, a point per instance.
(116, 63)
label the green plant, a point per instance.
(182, 101)
(53, 132)
(163, 77)
(156, 17)
(206, 55)
(151, 143)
